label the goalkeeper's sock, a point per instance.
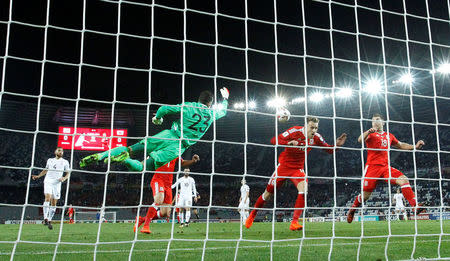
(409, 194)
(299, 205)
(134, 165)
(188, 216)
(46, 208)
(51, 212)
(259, 204)
(114, 152)
(151, 214)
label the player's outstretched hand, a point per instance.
(341, 140)
(195, 158)
(157, 121)
(195, 199)
(293, 143)
(420, 144)
(34, 177)
(225, 93)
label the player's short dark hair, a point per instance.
(378, 115)
(59, 147)
(313, 119)
(205, 97)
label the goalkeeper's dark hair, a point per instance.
(205, 97)
(378, 115)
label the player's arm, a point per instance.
(406, 146)
(219, 113)
(66, 168)
(286, 138)
(163, 111)
(194, 191)
(176, 183)
(188, 163)
(366, 134)
(43, 172)
(321, 142)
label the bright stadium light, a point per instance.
(317, 97)
(217, 106)
(444, 68)
(298, 100)
(344, 93)
(373, 86)
(251, 104)
(239, 105)
(276, 102)
(406, 78)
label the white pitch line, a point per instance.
(199, 249)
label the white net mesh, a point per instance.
(108, 65)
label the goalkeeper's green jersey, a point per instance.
(197, 118)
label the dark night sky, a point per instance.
(99, 49)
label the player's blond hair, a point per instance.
(378, 115)
(313, 119)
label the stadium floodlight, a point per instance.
(276, 102)
(373, 86)
(344, 93)
(298, 100)
(239, 105)
(317, 97)
(406, 78)
(217, 106)
(251, 104)
(444, 68)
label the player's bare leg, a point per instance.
(259, 203)
(299, 205)
(357, 203)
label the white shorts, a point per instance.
(53, 188)
(185, 201)
(400, 208)
(244, 205)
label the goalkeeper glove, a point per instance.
(225, 93)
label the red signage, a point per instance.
(91, 139)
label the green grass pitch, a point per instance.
(190, 246)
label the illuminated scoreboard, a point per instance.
(91, 139)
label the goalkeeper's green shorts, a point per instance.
(161, 150)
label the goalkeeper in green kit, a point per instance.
(197, 118)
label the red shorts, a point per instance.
(70, 215)
(375, 173)
(158, 185)
(295, 175)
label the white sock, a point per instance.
(181, 217)
(51, 212)
(398, 217)
(188, 216)
(245, 215)
(405, 217)
(45, 209)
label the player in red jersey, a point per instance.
(377, 166)
(70, 213)
(291, 165)
(162, 193)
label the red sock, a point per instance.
(357, 201)
(409, 194)
(178, 217)
(299, 205)
(259, 203)
(151, 214)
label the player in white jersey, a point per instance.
(187, 191)
(53, 173)
(399, 200)
(244, 201)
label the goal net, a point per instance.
(88, 76)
